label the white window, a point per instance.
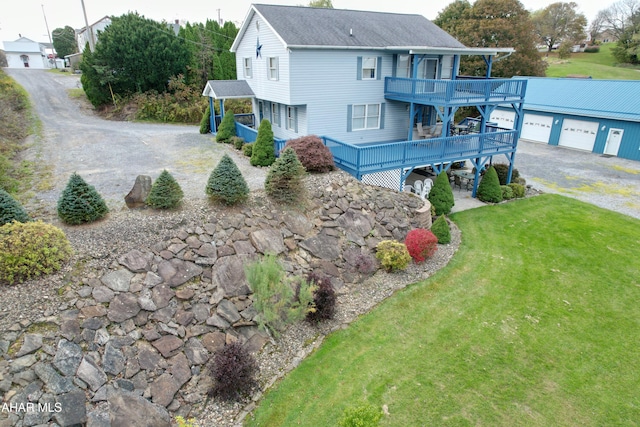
(275, 114)
(447, 67)
(272, 63)
(365, 116)
(403, 66)
(428, 69)
(369, 68)
(247, 68)
(291, 118)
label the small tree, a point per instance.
(312, 153)
(441, 196)
(227, 127)
(284, 180)
(226, 183)
(80, 202)
(489, 188)
(263, 153)
(165, 192)
(440, 228)
(11, 210)
(205, 123)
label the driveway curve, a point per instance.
(110, 154)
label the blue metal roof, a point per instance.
(610, 99)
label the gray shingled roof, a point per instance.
(227, 89)
(307, 26)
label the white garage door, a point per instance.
(578, 134)
(504, 119)
(536, 128)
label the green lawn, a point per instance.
(601, 65)
(535, 322)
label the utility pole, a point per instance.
(55, 63)
(92, 43)
(219, 19)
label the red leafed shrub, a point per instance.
(312, 153)
(421, 244)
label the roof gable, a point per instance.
(616, 99)
(299, 26)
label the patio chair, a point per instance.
(457, 182)
(417, 188)
(420, 129)
(426, 188)
(408, 188)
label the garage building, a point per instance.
(600, 116)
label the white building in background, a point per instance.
(25, 53)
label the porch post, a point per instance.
(212, 116)
(411, 114)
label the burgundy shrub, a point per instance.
(312, 153)
(421, 244)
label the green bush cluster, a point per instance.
(165, 192)
(263, 153)
(441, 195)
(11, 210)
(237, 142)
(365, 415)
(31, 249)
(279, 301)
(80, 202)
(489, 188)
(247, 149)
(592, 49)
(312, 153)
(503, 171)
(227, 128)
(284, 182)
(518, 189)
(180, 104)
(226, 183)
(507, 192)
(393, 255)
(440, 228)
(205, 121)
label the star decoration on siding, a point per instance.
(258, 48)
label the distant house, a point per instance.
(599, 116)
(371, 84)
(25, 53)
(83, 36)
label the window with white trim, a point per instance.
(272, 64)
(365, 116)
(275, 114)
(369, 65)
(247, 68)
(291, 118)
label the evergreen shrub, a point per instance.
(227, 128)
(421, 244)
(324, 298)
(284, 181)
(237, 142)
(234, 372)
(247, 149)
(80, 202)
(507, 192)
(518, 189)
(11, 209)
(393, 255)
(205, 123)
(226, 183)
(263, 153)
(592, 49)
(31, 249)
(441, 195)
(440, 228)
(364, 415)
(489, 188)
(165, 192)
(312, 153)
(503, 171)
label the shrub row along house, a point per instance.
(381, 89)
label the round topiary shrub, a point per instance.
(11, 210)
(441, 195)
(421, 244)
(507, 192)
(263, 153)
(80, 202)
(226, 183)
(284, 182)
(227, 128)
(31, 249)
(205, 122)
(503, 171)
(233, 370)
(165, 192)
(393, 255)
(440, 228)
(247, 149)
(324, 298)
(518, 189)
(312, 153)
(489, 188)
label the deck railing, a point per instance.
(460, 91)
(250, 135)
(362, 159)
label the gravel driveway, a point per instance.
(110, 154)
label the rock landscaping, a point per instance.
(128, 342)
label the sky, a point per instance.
(27, 17)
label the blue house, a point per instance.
(599, 116)
(381, 89)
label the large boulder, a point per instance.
(138, 195)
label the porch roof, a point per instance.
(228, 89)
